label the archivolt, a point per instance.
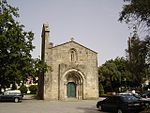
(74, 75)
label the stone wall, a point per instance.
(66, 59)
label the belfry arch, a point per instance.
(74, 82)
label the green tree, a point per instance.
(114, 75)
(146, 42)
(33, 89)
(15, 48)
(121, 64)
(23, 89)
(136, 12)
(110, 73)
(101, 90)
(137, 55)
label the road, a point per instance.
(39, 106)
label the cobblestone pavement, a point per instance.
(39, 106)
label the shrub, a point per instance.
(33, 89)
(101, 90)
(14, 87)
(23, 89)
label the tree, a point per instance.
(137, 12)
(121, 64)
(110, 74)
(137, 56)
(146, 42)
(15, 48)
(114, 75)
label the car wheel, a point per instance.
(119, 111)
(16, 100)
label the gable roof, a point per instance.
(72, 41)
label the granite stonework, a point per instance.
(74, 71)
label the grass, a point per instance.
(30, 94)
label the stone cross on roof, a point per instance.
(72, 39)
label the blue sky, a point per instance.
(93, 23)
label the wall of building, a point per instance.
(74, 58)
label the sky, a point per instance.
(92, 23)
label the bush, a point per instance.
(23, 89)
(101, 90)
(14, 87)
(33, 89)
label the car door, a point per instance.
(107, 104)
(9, 96)
(4, 97)
(111, 104)
(115, 103)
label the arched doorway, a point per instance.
(71, 89)
(73, 84)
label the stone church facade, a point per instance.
(74, 71)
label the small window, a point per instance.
(73, 55)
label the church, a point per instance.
(74, 70)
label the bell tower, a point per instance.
(45, 40)
(44, 51)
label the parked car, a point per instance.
(140, 97)
(121, 104)
(11, 95)
(146, 94)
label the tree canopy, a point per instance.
(112, 73)
(137, 13)
(132, 71)
(15, 48)
(138, 58)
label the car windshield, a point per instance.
(129, 98)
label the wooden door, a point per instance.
(71, 89)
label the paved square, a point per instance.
(39, 106)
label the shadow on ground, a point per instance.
(90, 110)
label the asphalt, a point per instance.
(32, 105)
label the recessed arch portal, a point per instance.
(74, 82)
